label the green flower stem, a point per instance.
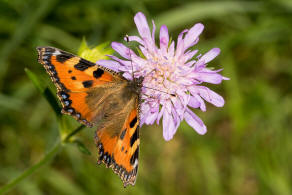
(49, 156)
(67, 138)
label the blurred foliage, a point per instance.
(248, 147)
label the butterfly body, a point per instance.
(97, 96)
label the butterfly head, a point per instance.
(139, 81)
(137, 84)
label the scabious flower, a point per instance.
(173, 78)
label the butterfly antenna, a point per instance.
(173, 95)
(128, 40)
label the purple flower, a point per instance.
(173, 78)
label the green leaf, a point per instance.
(37, 81)
(82, 148)
(70, 135)
(97, 53)
(45, 91)
(83, 46)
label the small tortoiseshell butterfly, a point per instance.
(95, 95)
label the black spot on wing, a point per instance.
(73, 78)
(135, 136)
(47, 49)
(123, 134)
(83, 65)
(134, 156)
(98, 73)
(87, 84)
(133, 122)
(63, 57)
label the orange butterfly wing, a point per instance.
(121, 152)
(91, 93)
(74, 77)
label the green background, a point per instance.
(248, 146)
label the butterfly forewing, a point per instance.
(74, 77)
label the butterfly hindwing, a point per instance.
(120, 151)
(74, 78)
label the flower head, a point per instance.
(173, 78)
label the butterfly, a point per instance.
(95, 95)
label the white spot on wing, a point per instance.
(136, 163)
(57, 52)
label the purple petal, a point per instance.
(160, 114)
(121, 49)
(113, 65)
(202, 103)
(142, 26)
(128, 76)
(180, 44)
(211, 96)
(135, 38)
(122, 62)
(164, 38)
(184, 98)
(171, 49)
(142, 121)
(194, 121)
(190, 63)
(186, 81)
(176, 118)
(208, 77)
(210, 55)
(152, 116)
(168, 126)
(138, 61)
(200, 65)
(192, 35)
(211, 71)
(144, 113)
(178, 106)
(194, 91)
(194, 103)
(189, 55)
(168, 106)
(153, 31)
(145, 52)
